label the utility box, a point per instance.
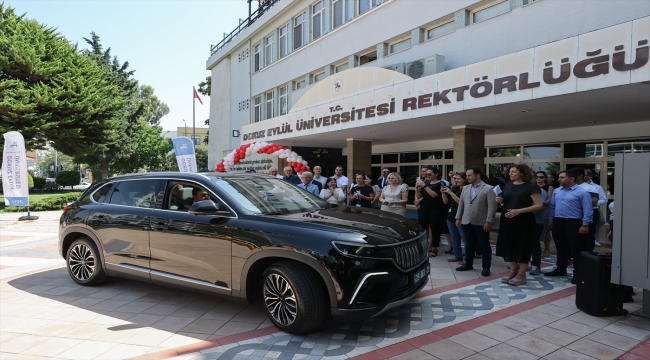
(631, 232)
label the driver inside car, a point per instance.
(199, 194)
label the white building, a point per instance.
(404, 83)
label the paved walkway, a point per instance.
(44, 314)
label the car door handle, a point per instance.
(161, 226)
(99, 219)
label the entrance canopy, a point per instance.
(601, 77)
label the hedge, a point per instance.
(54, 202)
(39, 182)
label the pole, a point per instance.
(193, 115)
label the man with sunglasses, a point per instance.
(383, 179)
(476, 211)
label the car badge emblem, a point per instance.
(412, 232)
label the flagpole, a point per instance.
(193, 115)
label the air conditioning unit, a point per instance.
(396, 67)
(425, 67)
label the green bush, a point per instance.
(68, 178)
(54, 202)
(39, 182)
(30, 181)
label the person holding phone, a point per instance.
(431, 212)
(452, 198)
(361, 195)
(394, 195)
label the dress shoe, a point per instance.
(574, 280)
(535, 270)
(465, 268)
(556, 272)
(485, 272)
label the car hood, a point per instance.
(379, 227)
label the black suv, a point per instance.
(244, 237)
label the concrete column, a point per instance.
(307, 25)
(382, 50)
(328, 16)
(417, 36)
(359, 157)
(352, 9)
(329, 70)
(461, 18)
(469, 147)
(353, 61)
(276, 45)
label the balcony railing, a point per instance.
(263, 7)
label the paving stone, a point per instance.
(614, 340)
(595, 350)
(627, 330)
(448, 350)
(414, 355)
(474, 341)
(554, 336)
(533, 345)
(572, 327)
(565, 354)
(506, 352)
(497, 332)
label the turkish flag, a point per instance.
(196, 95)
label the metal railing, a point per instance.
(264, 6)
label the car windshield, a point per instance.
(269, 196)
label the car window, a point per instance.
(138, 193)
(180, 195)
(269, 196)
(99, 196)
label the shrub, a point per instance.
(39, 182)
(53, 202)
(68, 178)
(30, 181)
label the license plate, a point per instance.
(420, 274)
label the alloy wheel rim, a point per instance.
(280, 299)
(81, 262)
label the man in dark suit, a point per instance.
(383, 179)
(289, 176)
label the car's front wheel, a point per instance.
(83, 262)
(294, 300)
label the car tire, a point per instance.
(84, 262)
(293, 298)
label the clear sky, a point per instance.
(166, 42)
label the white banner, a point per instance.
(15, 183)
(185, 156)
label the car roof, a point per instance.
(190, 176)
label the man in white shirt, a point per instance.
(602, 200)
(341, 180)
(590, 239)
(318, 177)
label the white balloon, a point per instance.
(304, 162)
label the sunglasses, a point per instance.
(541, 177)
(429, 174)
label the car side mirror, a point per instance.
(206, 207)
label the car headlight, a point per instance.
(353, 249)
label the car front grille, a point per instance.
(412, 253)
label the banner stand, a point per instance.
(28, 217)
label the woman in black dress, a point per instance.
(432, 209)
(520, 199)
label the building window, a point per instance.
(257, 53)
(340, 12)
(257, 102)
(369, 57)
(341, 67)
(299, 31)
(196, 139)
(268, 45)
(284, 97)
(299, 84)
(365, 5)
(441, 29)
(319, 77)
(400, 45)
(269, 105)
(318, 20)
(491, 11)
(284, 41)
(526, 2)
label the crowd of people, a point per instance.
(532, 212)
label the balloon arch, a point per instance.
(280, 151)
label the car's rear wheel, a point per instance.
(83, 262)
(294, 300)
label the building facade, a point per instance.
(401, 84)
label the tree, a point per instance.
(30, 181)
(138, 143)
(68, 178)
(205, 87)
(201, 158)
(50, 92)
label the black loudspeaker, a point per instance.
(595, 294)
